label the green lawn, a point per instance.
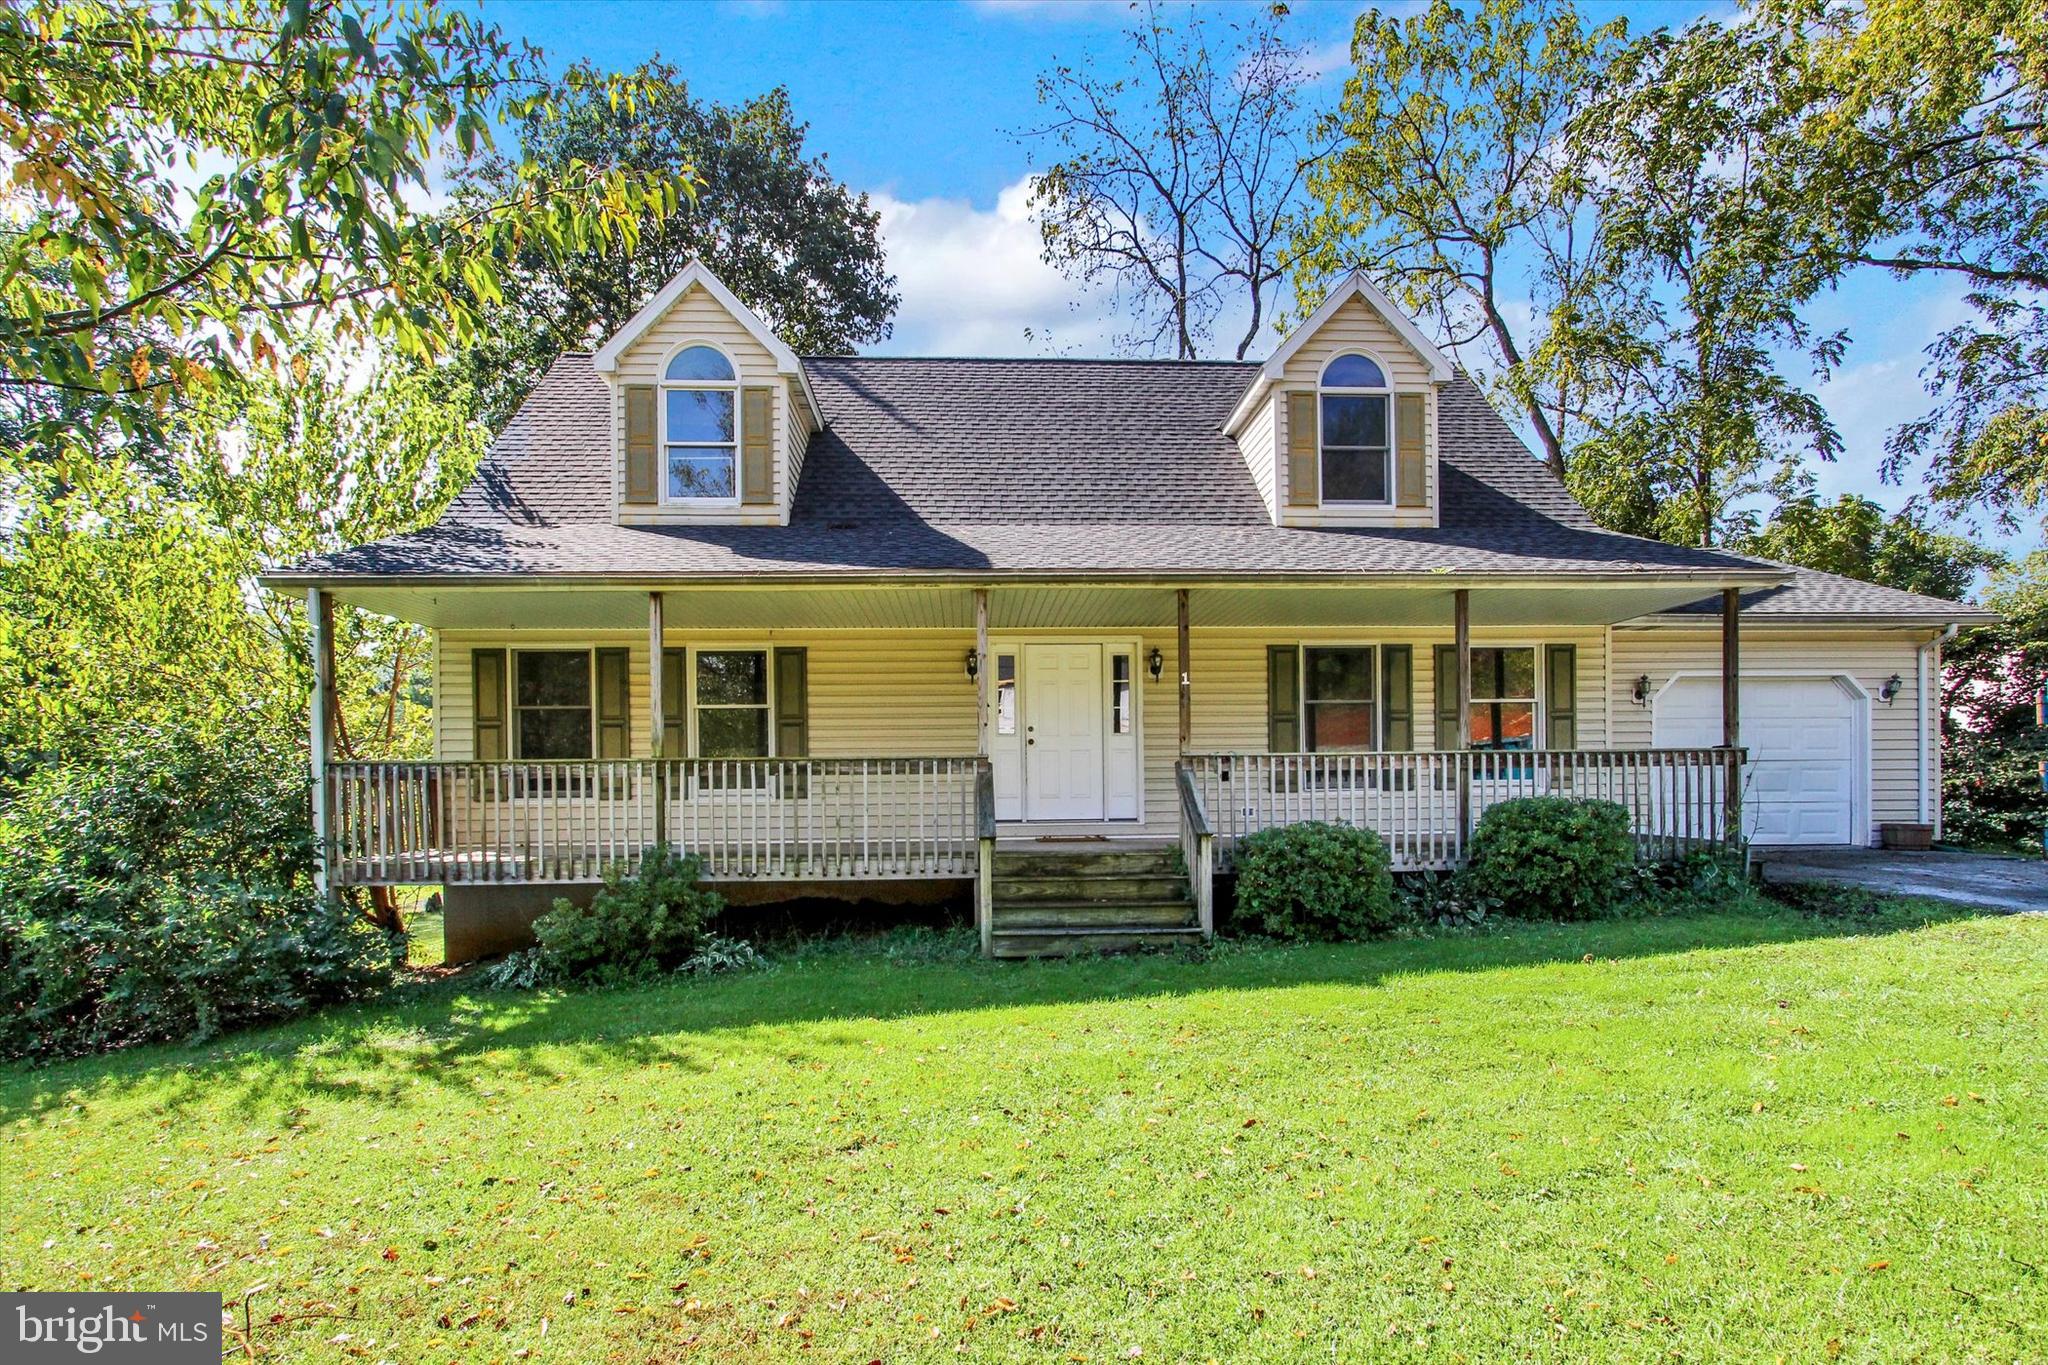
(1745, 1136)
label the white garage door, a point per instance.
(1806, 743)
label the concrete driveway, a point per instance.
(1994, 880)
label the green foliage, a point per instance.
(638, 926)
(1552, 857)
(1856, 538)
(1991, 747)
(126, 273)
(769, 220)
(1991, 791)
(129, 590)
(168, 894)
(1449, 162)
(1316, 881)
(1443, 899)
(717, 954)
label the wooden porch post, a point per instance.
(1187, 713)
(320, 616)
(657, 731)
(1461, 640)
(1731, 704)
(981, 671)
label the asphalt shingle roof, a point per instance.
(1813, 593)
(1002, 466)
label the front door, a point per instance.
(1063, 758)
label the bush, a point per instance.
(1552, 857)
(1442, 899)
(1316, 881)
(638, 926)
(168, 894)
(718, 955)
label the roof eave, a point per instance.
(1705, 620)
(1620, 577)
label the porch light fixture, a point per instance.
(1890, 689)
(1156, 662)
(973, 664)
(1641, 696)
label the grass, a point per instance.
(1743, 1136)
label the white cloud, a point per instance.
(973, 282)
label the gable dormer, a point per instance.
(1340, 426)
(711, 413)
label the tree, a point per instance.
(791, 240)
(1854, 537)
(128, 593)
(132, 269)
(1910, 139)
(1935, 162)
(1682, 133)
(1453, 186)
(1176, 179)
(1991, 746)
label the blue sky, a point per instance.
(919, 104)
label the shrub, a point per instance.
(638, 926)
(718, 954)
(168, 894)
(1553, 857)
(1442, 899)
(1316, 881)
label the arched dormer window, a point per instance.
(1356, 452)
(700, 425)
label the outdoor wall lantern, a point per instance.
(973, 664)
(1156, 662)
(1890, 689)
(1641, 696)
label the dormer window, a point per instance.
(700, 426)
(1356, 452)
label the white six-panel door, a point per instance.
(1063, 732)
(1808, 741)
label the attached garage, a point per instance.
(1807, 781)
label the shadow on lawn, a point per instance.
(450, 1036)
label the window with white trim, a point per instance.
(731, 697)
(700, 426)
(551, 703)
(1504, 697)
(1339, 714)
(1357, 455)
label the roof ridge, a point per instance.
(1038, 360)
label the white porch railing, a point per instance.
(776, 819)
(1425, 805)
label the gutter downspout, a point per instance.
(1928, 720)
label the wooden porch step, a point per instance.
(1132, 862)
(1053, 901)
(1090, 886)
(1164, 913)
(1013, 943)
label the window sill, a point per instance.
(702, 514)
(1358, 514)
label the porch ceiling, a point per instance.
(1027, 606)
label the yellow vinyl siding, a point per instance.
(697, 316)
(1869, 657)
(1355, 326)
(906, 693)
(1255, 442)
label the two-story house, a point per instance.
(882, 626)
